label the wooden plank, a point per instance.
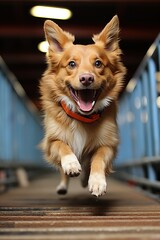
(37, 212)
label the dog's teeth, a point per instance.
(78, 103)
(93, 103)
(76, 93)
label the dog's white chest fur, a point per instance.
(73, 135)
(77, 140)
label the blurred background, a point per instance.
(20, 33)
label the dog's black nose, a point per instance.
(86, 79)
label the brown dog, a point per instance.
(79, 98)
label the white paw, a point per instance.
(97, 184)
(70, 165)
(62, 189)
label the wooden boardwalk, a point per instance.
(38, 213)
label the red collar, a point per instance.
(87, 119)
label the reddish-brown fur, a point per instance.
(72, 145)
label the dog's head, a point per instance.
(86, 77)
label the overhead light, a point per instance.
(43, 46)
(158, 101)
(51, 12)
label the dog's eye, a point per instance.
(98, 63)
(72, 64)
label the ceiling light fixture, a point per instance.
(43, 46)
(51, 12)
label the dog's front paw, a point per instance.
(70, 165)
(97, 184)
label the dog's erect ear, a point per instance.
(108, 38)
(56, 37)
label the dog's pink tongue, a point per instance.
(86, 100)
(85, 106)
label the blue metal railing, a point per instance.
(139, 123)
(20, 124)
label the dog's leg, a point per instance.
(64, 157)
(63, 185)
(85, 162)
(100, 165)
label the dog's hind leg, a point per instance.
(85, 171)
(63, 185)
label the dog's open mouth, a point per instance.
(85, 98)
